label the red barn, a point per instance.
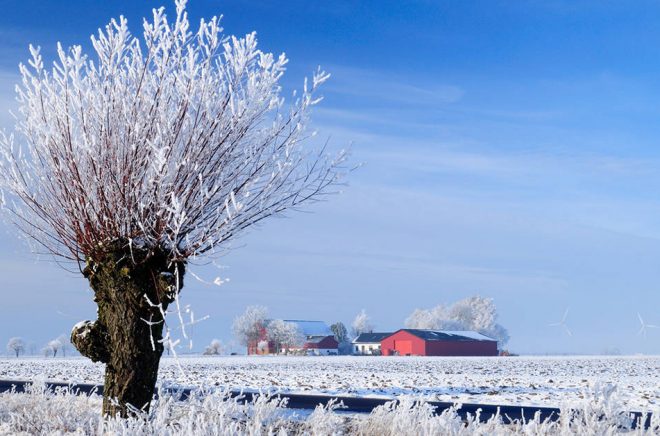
(415, 342)
(321, 345)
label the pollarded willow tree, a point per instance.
(137, 160)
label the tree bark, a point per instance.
(127, 334)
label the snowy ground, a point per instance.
(548, 381)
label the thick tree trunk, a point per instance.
(127, 334)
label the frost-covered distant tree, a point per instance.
(341, 335)
(422, 319)
(249, 326)
(144, 156)
(362, 324)
(16, 345)
(55, 345)
(214, 348)
(340, 332)
(474, 313)
(262, 346)
(284, 335)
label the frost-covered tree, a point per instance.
(55, 345)
(437, 318)
(474, 313)
(262, 346)
(249, 326)
(145, 155)
(340, 332)
(422, 319)
(284, 335)
(341, 335)
(362, 324)
(16, 345)
(214, 348)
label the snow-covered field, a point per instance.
(547, 381)
(581, 386)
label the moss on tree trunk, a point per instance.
(127, 334)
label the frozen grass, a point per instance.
(40, 412)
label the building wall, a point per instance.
(322, 351)
(369, 348)
(328, 342)
(463, 348)
(253, 348)
(403, 343)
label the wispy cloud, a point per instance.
(373, 85)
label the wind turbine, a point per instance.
(562, 323)
(642, 330)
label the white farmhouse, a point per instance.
(369, 343)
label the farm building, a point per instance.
(321, 346)
(369, 343)
(415, 342)
(319, 339)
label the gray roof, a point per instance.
(370, 338)
(317, 339)
(440, 335)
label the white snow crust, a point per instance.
(546, 381)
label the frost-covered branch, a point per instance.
(178, 141)
(361, 324)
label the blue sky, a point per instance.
(510, 150)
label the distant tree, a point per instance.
(262, 346)
(284, 335)
(32, 348)
(249, 326)
(214, 348)
(437, 318)
(344, 346)
(474, 313)
(421, 319)
(55, 345)
(340, 332)
(16, 345)
(362, 324)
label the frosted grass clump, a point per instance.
(213, 413)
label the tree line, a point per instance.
(17, 346)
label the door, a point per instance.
(403, 347)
